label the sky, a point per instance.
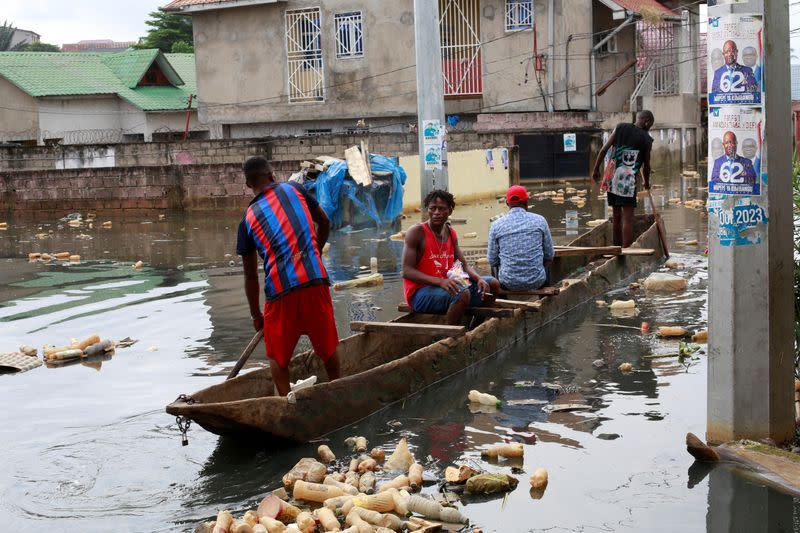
(69, 21)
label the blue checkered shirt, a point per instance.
(519, 244)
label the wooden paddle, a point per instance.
(246, 354)
(659, 225)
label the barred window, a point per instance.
(349, 35)
(304, 55)
(519, 15)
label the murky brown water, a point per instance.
(89, 448)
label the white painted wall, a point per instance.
(81, 120)
(19, 120)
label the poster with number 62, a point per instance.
(735, 137)
(735, 62)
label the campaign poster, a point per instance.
(735, 60)
(734, 150)
(432, 133)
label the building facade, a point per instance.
(91, 98)
(535, 67)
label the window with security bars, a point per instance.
(349, 35)
(459, 28)
(519, 15)
(304, 55)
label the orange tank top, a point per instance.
(437, 258)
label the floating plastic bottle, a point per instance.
(399, 482)
(327, 519)
(539, 478)
(484, 398)
(306, 523)
(344, 487)
(325, 454)
(504, 450)
(314, 492)
(415, 475)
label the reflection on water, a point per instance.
(94, 451)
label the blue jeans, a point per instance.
(436, 300)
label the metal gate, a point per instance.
(459, 28)
(304, 55)
(657, 57)
(542, 157)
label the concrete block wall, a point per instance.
(142, 188)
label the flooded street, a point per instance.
(89, 448)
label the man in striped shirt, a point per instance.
(279, 226)
(520, 244)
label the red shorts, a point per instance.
(306, 311)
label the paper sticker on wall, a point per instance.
(741, 225)
(734, 150)
(570, 142)
(734, 59)
(433, 136)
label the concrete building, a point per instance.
(21, 37)
(539, 68)
(97, 45)
(90, 98)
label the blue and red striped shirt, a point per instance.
(279, 226)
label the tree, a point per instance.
(166, 30)
(6, 35)
(39, 47)
(182, 47)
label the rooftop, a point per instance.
(86, 73)
(190, 6)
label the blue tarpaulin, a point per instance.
(331, 185)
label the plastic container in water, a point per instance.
(483, 398)
(314, 492)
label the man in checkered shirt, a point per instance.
(520, 245)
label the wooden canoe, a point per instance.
(381, 366)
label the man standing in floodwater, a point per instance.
(632, 145)
(520, 244)
(279, 225)
(430, 282)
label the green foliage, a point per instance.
(687, 348)
(39, 47)
(166, 30)
(6, 34)
(182, 47)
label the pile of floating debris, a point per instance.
(368, 493)
(358, 191)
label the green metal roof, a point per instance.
(83, 73)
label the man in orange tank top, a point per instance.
(431, 249)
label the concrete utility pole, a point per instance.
(751, 313)
(430, 97)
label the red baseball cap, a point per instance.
(517, 193)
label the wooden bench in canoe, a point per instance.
(385, 363)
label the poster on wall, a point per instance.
(734, 150)
(570, 142)
(433, 135)
(734, 60)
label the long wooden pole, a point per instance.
(246, 354)
(659, 225)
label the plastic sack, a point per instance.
(662, 282)
(332, 184)
(457, 273)
(491, 484)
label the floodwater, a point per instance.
(89, 448)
